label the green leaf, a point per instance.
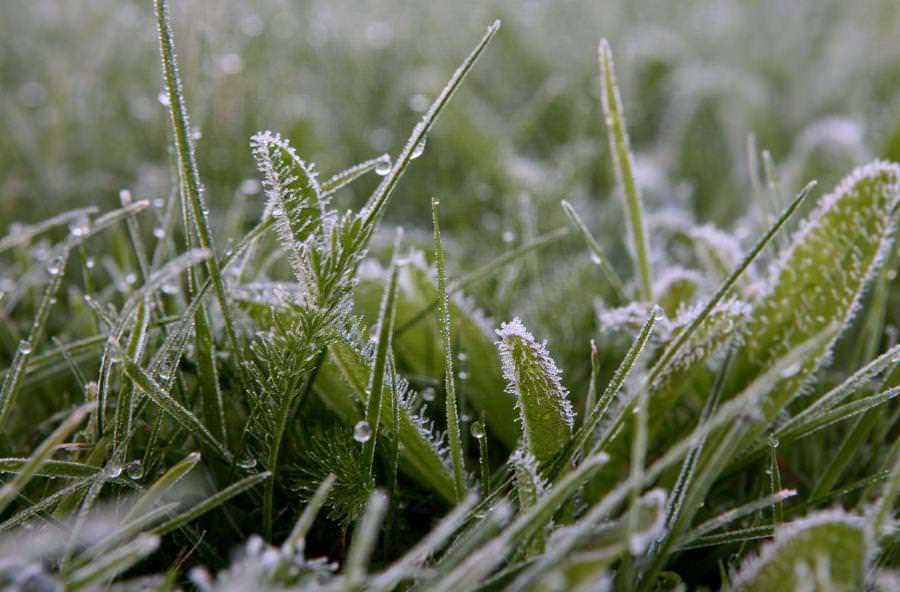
(820, 279)
(533, 378)
(835, 537)
(624, 165)
(294, 197)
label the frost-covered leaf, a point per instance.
(533, 378)
(839, 539)
(530, 487)
(820, 279)
(294, 197)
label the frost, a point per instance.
(533, 378)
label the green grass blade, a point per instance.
(415, 143)
(13, 380)
(210, 503)
(364, 539)
(374, 402)
(340, 180)
(173, 408)
(597, 254)
(452, 406)
(296, 540)
(113, 563)
(190, 176)
(162, 485)
(41, 455)
(624, 165)
(598, 412)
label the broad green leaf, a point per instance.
(820, 279)
(533, 378)
(835, 537)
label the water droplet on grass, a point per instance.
(418, 150)
(55, 267)
(362, 431)
(383, 166)
(135, 470)
(24, 347)
(428, 394)
(477, 430)
(159, 232)
(113, 470)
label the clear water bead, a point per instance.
(773, 442)
(362, 431)
(113, 470)
(135, 470)
(159, 232)
(428, 394)
(477, 430)
(24, 347)
(56, 266)
(163, 98)
(418, 150)
(383, 166)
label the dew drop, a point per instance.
(135, 470)
(113, 470)
(24, 347)
(168, 289)
(418, 150)
(383, 166)
(55, 266)
(790, 370)
(131, 279)
(595, 259)
(477, 430)
(159, 232)
(89, 263)
(362, 431)
(773, 441)
(463, 375)
(163, 98)
(508, 236)
(159, 203)
(125, 197)
(428, 394)
(277, 212)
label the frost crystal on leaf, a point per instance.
(533, 378)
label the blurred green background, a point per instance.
(814, 80)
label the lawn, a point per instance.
(449, 296)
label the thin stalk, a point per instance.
(453, 434)
(188, 168)
(622, 159)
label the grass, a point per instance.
(621, 357)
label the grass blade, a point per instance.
(624, 165)
(41, 455)
(415, 143)
(452, 406)
(210, 503)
